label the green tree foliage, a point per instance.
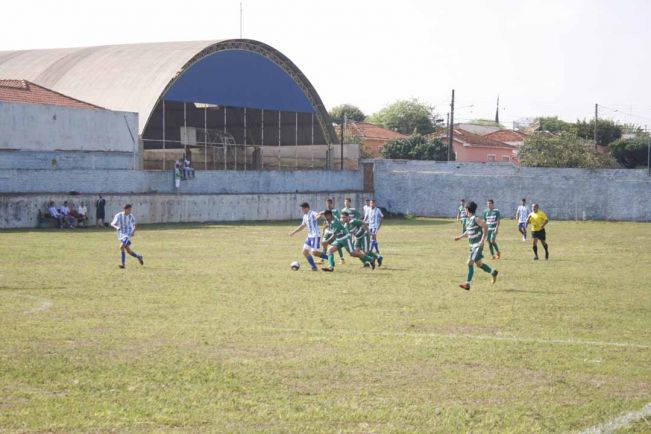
(630, 152)
(554, 125)
(562, 150)
(416, 147)
(405, 116)
(353, 113)
(607, 130)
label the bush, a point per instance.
(630, 152)
(562, 150)
(416, 147)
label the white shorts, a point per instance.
(312, 243)
(373, 231)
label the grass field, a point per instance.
(217, 334)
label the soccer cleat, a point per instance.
(373, 264)
(121, 266)
(367, 264)
(379, 261)
(493, 257)
(328, 269)
(343, 261)
(465, 286)
(315, 269)
(498, 256)
(140, 260)
(535, 258)
(494, 276)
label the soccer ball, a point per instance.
(295, 265)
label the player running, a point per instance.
(521, 216)
(476, 230)
(313, 240)
(538, 220)
(339, 237)
(461, 215)
(492, 217)
(330, 205)
(361, 239)
(366, 208)
(125, 223)
(350, 210)
(374, 222)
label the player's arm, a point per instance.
(114, 223)
(330, 239)
(497, 224)
(301, 226)
(484, 230)
(544, 223)
(463, 235)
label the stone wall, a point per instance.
(434, 189)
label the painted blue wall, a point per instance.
(237, 78)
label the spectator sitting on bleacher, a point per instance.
(188, 171)
(69, 220)
(83, 213)
(54, 213)
(74, 213)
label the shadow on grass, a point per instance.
(527, 291)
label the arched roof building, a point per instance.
(188, 93)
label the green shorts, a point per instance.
(491, 236)
(362, 243)
(345, 243)
(476, 252)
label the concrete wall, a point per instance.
(66, 160)
(40, 127)
(210, 182)
(434, 189)
(20, 211)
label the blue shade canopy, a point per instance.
(238, 78)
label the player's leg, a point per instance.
(374, 242)
(543, 241)
(132, 253)
(488, 269)
(331, 256)
(535, 247)
(470, 272)
(123, 255)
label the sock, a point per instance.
(341, 252)
(123, 256)
(377, 246)
(535, 251)
(497, 249)
(368, 258)
(331, 260)
(490, 246)
(485, 267)
(134, 254)
(311, 262)
(324, 255)
(373, 255)
(471, 271)
(546, 250)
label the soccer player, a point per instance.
(492, 217)
(461, 215)
(361, 240)
(313, 240)
(367, 207)
(538, 220)
(521, 216)
(476, 230)
(330, 205)
(374, 222)
(340, 237)
(125, 223)
(349, 209)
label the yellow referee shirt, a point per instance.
(536, 220)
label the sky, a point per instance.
(543, 58)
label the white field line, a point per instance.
(462, 336)
(621, 421)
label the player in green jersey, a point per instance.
(461, 215)
(340, 237)
(330, 205)
(492, 217)
(476, 230)
(361, 239)
(350, 210)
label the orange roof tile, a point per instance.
(23, 91)
(370, 131)
(507, 136)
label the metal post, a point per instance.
(296, 141)
(451, 132)
(244, 138)
(341, 141)
(312, 142)
(596, 119)
(164, 135)
(185, 128)
(262, 140)
(224, 140)
(279, 138)
(205, 137)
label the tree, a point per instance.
(416, 147)
(554, 125)
(561, 150)
(607, 130)
(406, 117)
(631, 152)
(353, 113)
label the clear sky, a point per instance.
(543, 57)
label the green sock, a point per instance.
(361, 260)
(486, 268)
(373, 255)
(497, 249)
(471, 271)
(341, 253)
(331, 260)
(490, 246)
(368, 258)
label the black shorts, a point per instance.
(100, 215)
(539, 235)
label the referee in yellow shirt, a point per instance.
(538, 220)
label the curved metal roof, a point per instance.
(134, 77)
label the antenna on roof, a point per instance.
(240, 20)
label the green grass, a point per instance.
(217, 334)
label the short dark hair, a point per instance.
(127, 206)
(348, 199)
(462, 200)
(524, 200)
(345, 213)
(471, 206)
(329, 200)
(305, 205)
(327, 213)
(490, 200)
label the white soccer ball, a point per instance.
(295, 265)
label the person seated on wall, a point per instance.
(53, 213)
(83, 214)
(188, 171)
(69, 220)
(74, 213)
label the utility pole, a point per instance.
(596, 119)
(451, 125)
(240, 20)
(344, 121)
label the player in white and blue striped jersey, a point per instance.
(125, 223)
(374, 221)
(313, 241)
